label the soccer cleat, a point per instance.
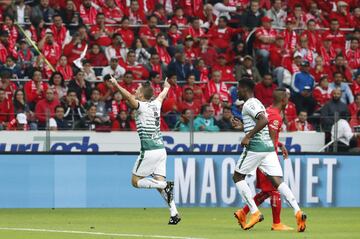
(254, 218)
(281, 227)
(301, 221)
(169, 191)
(241, 217)
(174, 220)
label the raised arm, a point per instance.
(134, 104)
(164, 92)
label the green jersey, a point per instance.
(261, 141)
(148, 125)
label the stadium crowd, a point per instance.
(202, 47)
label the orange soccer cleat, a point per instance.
(241, 217)
(281, 227)
(254, 218)
(300, 220)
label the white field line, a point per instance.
(93, 233)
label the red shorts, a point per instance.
(263, 183)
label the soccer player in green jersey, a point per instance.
(150, 168)
(259, 153)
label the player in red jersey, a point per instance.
(262, 182)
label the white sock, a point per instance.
(245, 193)
(172, 206)
(289, 196)
(151, 183)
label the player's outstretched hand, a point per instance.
(113, 80)
(166, 83)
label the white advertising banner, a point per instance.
(87, 141)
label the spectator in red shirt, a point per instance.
(290, 110)
(148, 33)
(216, 85)
(336, 36)
(160, 13)
(96, 57)
(316, 16)
(221, 35)
(216, 103)
(135, 14)
(50, 49)
(174, 96)
(322, 93)
(64, 68)
(60, 33)
(191, 52)
(11, 29)
(313, 35)
(179, 18)
(117, 105)
(326, 51)
(356, 17)
(121, 122)
(112, 12)
(73, 49)
(207, 53)
(300, 123)
(128, 82)
(175, 36)
(188, 102)
(320, 70)
(299, 16)
(340, 65)
(88, 12)
(264, 90)
(45, 108)
(155, 82)
(139, 71)
(194, 30)
(264, 37)
(5, 48)
(106, 89)
(57, 84)
(342, 15)
(227, 73)
(353, 55)
(161, 47)
(355, 87)
(156, 66)
(199, 96)
(6, 110)
(6, 85)
(117, 49)
(207, 16)
(101, 33)
(125, 32)
(35, 89)
(290, 34)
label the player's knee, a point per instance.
(237, 177)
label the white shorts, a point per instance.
(267, 162)
(151, 162)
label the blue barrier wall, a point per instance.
(46, 181)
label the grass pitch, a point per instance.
(209, 223)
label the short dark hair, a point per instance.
(247, 83)
(203, 108)
(51, 80)
(227, 108)
(71, 91)
(59, 106)
(337, 73)
(148, 92)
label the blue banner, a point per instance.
(58, 181)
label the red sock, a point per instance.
(259, 198)
(275, 206)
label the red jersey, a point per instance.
(226, 72)
(88, 16)
(116, 107)
(127, 35)
(149, 34)
(66, 71)
(264, 93)
(104, 39)
(131, 87)
(321, 96)
(337, 39)
(290, 40)
(52, 52)
(139, 71)
(112, 15)
(290, 111)
(261, 32)
(73, 52)
(296, 125)
(193, 106)
(7, 111)
(31, 91)
(59, 34)
(275, 122)
(10, 90)
(157, 88)
(353, 58)
(220, 38)
(355, 87)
